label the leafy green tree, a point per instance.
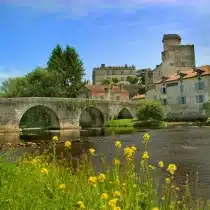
(14, 87)
(68, 68)
(132, 80)
(106, 82)
(115, 80)
(150, 111)
(141, 74)
(42, 83)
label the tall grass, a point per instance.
(38, 183)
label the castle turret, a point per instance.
(170, 40)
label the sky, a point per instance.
(113, 32)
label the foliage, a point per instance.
(68, 68)
(206, 107)
(37, 182)
(35, 117)
(63, 77)
(112, 81)
(141, 75)
(150, 111)
(132, 80)
(14, 87)
(120, 123)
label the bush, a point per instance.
(120, 123)
(150, 111)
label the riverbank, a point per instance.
(63, 185)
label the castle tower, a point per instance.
(170, 40)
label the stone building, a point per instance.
(175, 57)
(183, 93)
(104, 92)
(103, 72)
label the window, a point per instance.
(117, 98)
(181, 88)
(200, 85)
(101, 97)
(200, 99)
(182, 100)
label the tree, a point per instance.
(132, 80)
(150, 111)
(106, 82)
(68, 68)
(14, 87)
(141, 74)
(42, 83)
(115, 80)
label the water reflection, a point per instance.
(187, 148)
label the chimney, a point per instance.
(102, 65)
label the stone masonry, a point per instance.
(64, 112)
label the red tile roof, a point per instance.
(189, 73)
(104, 88)
(138, 97)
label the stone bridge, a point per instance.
(64, 113)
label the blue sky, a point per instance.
(114, 32)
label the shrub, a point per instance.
(120, 123)
(150, 111)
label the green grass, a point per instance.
(25, 186)
(120, 123)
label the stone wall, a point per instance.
(64, 112)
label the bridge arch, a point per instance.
(91, 117)
(125, 113)
(40, 116)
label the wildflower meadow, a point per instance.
(41, 182)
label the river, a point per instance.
(188, 148)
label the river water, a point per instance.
(188, 148)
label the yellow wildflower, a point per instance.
(44, 171)
(101, 177)
(104, 196)
(156, 208)
(160, 164)
(92, 151)
(116, 194)
(145, 155)
(133, 148)
(116, 162)
(62, 186)
(128, 153)
(55, 138)
(167, 180)
(118, 144)
(68, 144)
(171, 168)
(152, 167)
(116, 208)
(146, 137)
(112, 202)
(92, 180)
(81, 205)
